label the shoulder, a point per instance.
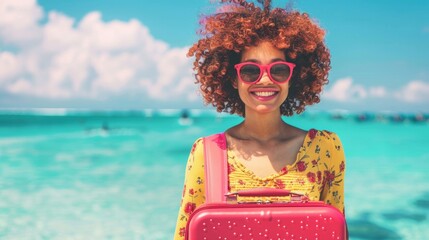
(328, 145)
(324, 136)
(198, 145)
(197, 150)
(325, 140)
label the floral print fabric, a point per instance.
(318, 173)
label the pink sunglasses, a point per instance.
(278, 72)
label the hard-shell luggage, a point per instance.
(222, 217)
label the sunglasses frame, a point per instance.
(264, 68)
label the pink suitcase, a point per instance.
(221, 217)
(292, 220)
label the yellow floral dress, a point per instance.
(318, 172)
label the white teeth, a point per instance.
(264, 94)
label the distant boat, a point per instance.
(185, 118)
(102, 131)
(418, 118)
(338, 116)
(397, 118)
(364, 117)
(105, 127)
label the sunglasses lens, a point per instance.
(250, 73)
(280, 72)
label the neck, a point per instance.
(262, 127)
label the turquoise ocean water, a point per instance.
(119, 175)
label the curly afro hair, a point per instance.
(238, 24)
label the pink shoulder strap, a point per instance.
(216, 168)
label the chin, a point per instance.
(263, 109)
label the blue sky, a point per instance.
(129, 54)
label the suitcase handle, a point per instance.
(263, 192)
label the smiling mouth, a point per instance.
(264, 94)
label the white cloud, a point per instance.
(171, 66)
(19, 86)
(10, 66)
(18, 21)
(65, 59)
(377, 92)
(344, 90)
(414, 92)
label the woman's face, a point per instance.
(264, 96)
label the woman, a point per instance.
(263, 63)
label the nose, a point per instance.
(265, 79)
